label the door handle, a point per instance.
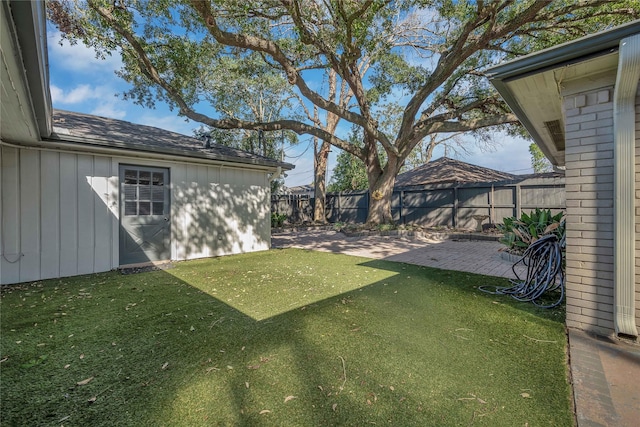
(166, 219)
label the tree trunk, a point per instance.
(429, 151)
(381, 184)
(320, 178)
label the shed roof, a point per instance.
(446, 170)
(95, 131)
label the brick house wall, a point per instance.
(589, 194)
(638, 206)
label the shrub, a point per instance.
(337, 226)
(277, 220)
(386, 227)
(520, 233)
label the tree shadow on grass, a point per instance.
(163, 349)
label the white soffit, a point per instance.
(591, 74)
(538, 96)
(17, 122)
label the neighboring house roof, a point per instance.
(94, 131)
(301, 189)
(446, 170)
(533, 85)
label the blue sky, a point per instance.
(82, 83)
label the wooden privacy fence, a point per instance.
(445, 205)
(298, 208)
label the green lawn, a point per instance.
(279, 338)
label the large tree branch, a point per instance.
(294, 125)
(148, 69)
(457, 112)
(272, 49)
(345, 64)
(566, 13)
(463, 48)
(464, 125)
(473, 124)
(144, 62)
(444, 123)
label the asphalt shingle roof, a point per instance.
(446, 170)
(102, 131)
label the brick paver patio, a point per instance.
(481, 257)
(604, 371)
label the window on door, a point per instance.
(143, 193)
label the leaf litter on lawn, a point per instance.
(393, 325)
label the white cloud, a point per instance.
(78, 94)
(57, 94)
(81, 94)
(98, 100)
(78, 57)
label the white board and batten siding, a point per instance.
(218, 211)
(60, 212)
(53, 222)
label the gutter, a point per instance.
(275, 175)
(564, 54)
(624, 257)
(30, 28)
(96, 143)
(74, 148)
(127, 149)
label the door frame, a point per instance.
(122, 232)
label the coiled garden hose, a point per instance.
(543, 259)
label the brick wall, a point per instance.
(638, 206)
(589, 195)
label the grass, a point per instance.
(279, 338)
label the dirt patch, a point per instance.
(145, 268)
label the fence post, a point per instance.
(454, 219)
(368, 205)
(518, 201)
(492, 212)
(297, 207)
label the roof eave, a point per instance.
(30, 22)
(88, 144)
(546, 145)
(563, 54)
(547, 60)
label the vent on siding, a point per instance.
(557, 133)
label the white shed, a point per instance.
(82, 194)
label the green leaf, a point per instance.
(544, 215)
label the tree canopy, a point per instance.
(348, 174)
(539, 163)
(426, 55)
